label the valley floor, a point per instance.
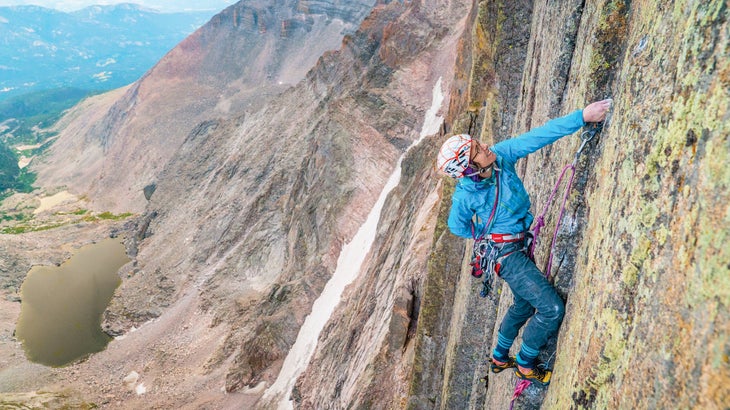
(168, 355)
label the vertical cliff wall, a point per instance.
(648, 320)
(640, 257)
(250, 213)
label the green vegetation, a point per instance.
(108, 216)
(24, 182)
(24, 120)
(14, 217)
(9, 169)
(43, 400)
(32, 111)
(12, 178)
(24, 223)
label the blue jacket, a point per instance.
(513, 211)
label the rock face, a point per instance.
(639, 256)
(250, 212)
(233, 64)
(279, 193)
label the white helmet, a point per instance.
(453, 158)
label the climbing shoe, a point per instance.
(537, 374)
(496, 367)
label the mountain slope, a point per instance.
(236, 228)
(279, 195)
(233, 64)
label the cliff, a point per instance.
(639, 256)
(252, 208)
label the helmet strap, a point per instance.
(473, 173)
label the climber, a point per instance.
(490, 201)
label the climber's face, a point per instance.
(482, 157)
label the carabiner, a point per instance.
(586, 136)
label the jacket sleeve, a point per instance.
(460, 218)
(531, 141)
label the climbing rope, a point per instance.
(520, 386)
(586, 136)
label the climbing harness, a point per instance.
(586, 137)
(489, 254)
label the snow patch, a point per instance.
(131, 380)
(131, 383)
(137, 43)
(253, 390)
(3, 20)
(351, 258)
(52, 201)
(23, 161)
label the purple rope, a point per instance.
(521, 385)
(541, 219)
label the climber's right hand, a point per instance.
(596, 112)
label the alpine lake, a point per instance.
(62, 306)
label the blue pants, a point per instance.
(535, 299)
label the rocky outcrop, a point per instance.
(635, 252)
(650, 286)
(278, 191)
(277, 244)
(225, 68)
